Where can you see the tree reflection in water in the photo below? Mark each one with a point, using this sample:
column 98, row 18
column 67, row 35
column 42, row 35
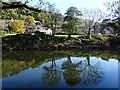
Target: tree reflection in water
column 71, row 72
column 91, row 74
column 52, row 74
column 81, row 72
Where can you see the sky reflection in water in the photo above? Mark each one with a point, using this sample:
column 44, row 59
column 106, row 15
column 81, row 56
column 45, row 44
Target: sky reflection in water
column 67, row 72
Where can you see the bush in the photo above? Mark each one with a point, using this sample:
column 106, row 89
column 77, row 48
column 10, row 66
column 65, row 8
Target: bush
column 115, row 42
column 17, row 26
column 99, row 37
column 2, row 33
column 40, row 34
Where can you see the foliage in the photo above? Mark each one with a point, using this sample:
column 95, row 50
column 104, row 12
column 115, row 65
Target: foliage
column 51, row 19
column 12, row 14
column 2, row 33
column 5, row 14
column 99, row 37
column 115, row 42
column 55, row 18
column 30, row 21
column 40, row 41
column 71, row 20
column 17, row 26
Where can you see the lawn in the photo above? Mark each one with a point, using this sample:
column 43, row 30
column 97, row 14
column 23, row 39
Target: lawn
column 3, row 35
column 67, row 35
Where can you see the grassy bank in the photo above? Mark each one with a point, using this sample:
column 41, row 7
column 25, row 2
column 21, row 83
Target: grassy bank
column 41, row 41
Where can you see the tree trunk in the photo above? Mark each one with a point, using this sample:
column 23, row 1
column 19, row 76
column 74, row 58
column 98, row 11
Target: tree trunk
column 69, row 36
column 53, row 34
column 69, row 59
column 53, row 31
column 89, row 33
column 88, row 59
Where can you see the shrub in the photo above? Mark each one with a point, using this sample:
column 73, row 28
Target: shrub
column 99, row 37
column 115, row 42
column 2, row 33
column 17, row 26
column 40, row 34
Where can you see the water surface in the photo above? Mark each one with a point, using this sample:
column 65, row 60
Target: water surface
column 60, row 69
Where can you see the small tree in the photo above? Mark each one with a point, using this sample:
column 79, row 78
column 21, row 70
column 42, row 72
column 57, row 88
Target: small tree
column 17, row 26
column 71, row 20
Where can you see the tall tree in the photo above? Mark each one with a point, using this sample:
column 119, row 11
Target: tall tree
column 71, row 20
column 52, row 18
column 91, row 18
column 55, row 18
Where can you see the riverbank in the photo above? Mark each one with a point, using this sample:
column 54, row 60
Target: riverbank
column 40, row 41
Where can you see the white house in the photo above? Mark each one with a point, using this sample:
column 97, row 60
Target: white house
column 40, row 28
column 49, row 31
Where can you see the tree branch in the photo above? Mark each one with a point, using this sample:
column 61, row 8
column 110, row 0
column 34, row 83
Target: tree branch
column 18, row 5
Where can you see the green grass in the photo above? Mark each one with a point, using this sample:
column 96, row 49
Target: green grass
column 67, row 35
column 9, row 34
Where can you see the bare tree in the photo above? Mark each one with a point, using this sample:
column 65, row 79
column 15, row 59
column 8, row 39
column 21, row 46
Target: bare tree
column 91, row 18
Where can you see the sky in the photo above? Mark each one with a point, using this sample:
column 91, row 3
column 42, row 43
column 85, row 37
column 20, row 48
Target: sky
column 80, row 4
